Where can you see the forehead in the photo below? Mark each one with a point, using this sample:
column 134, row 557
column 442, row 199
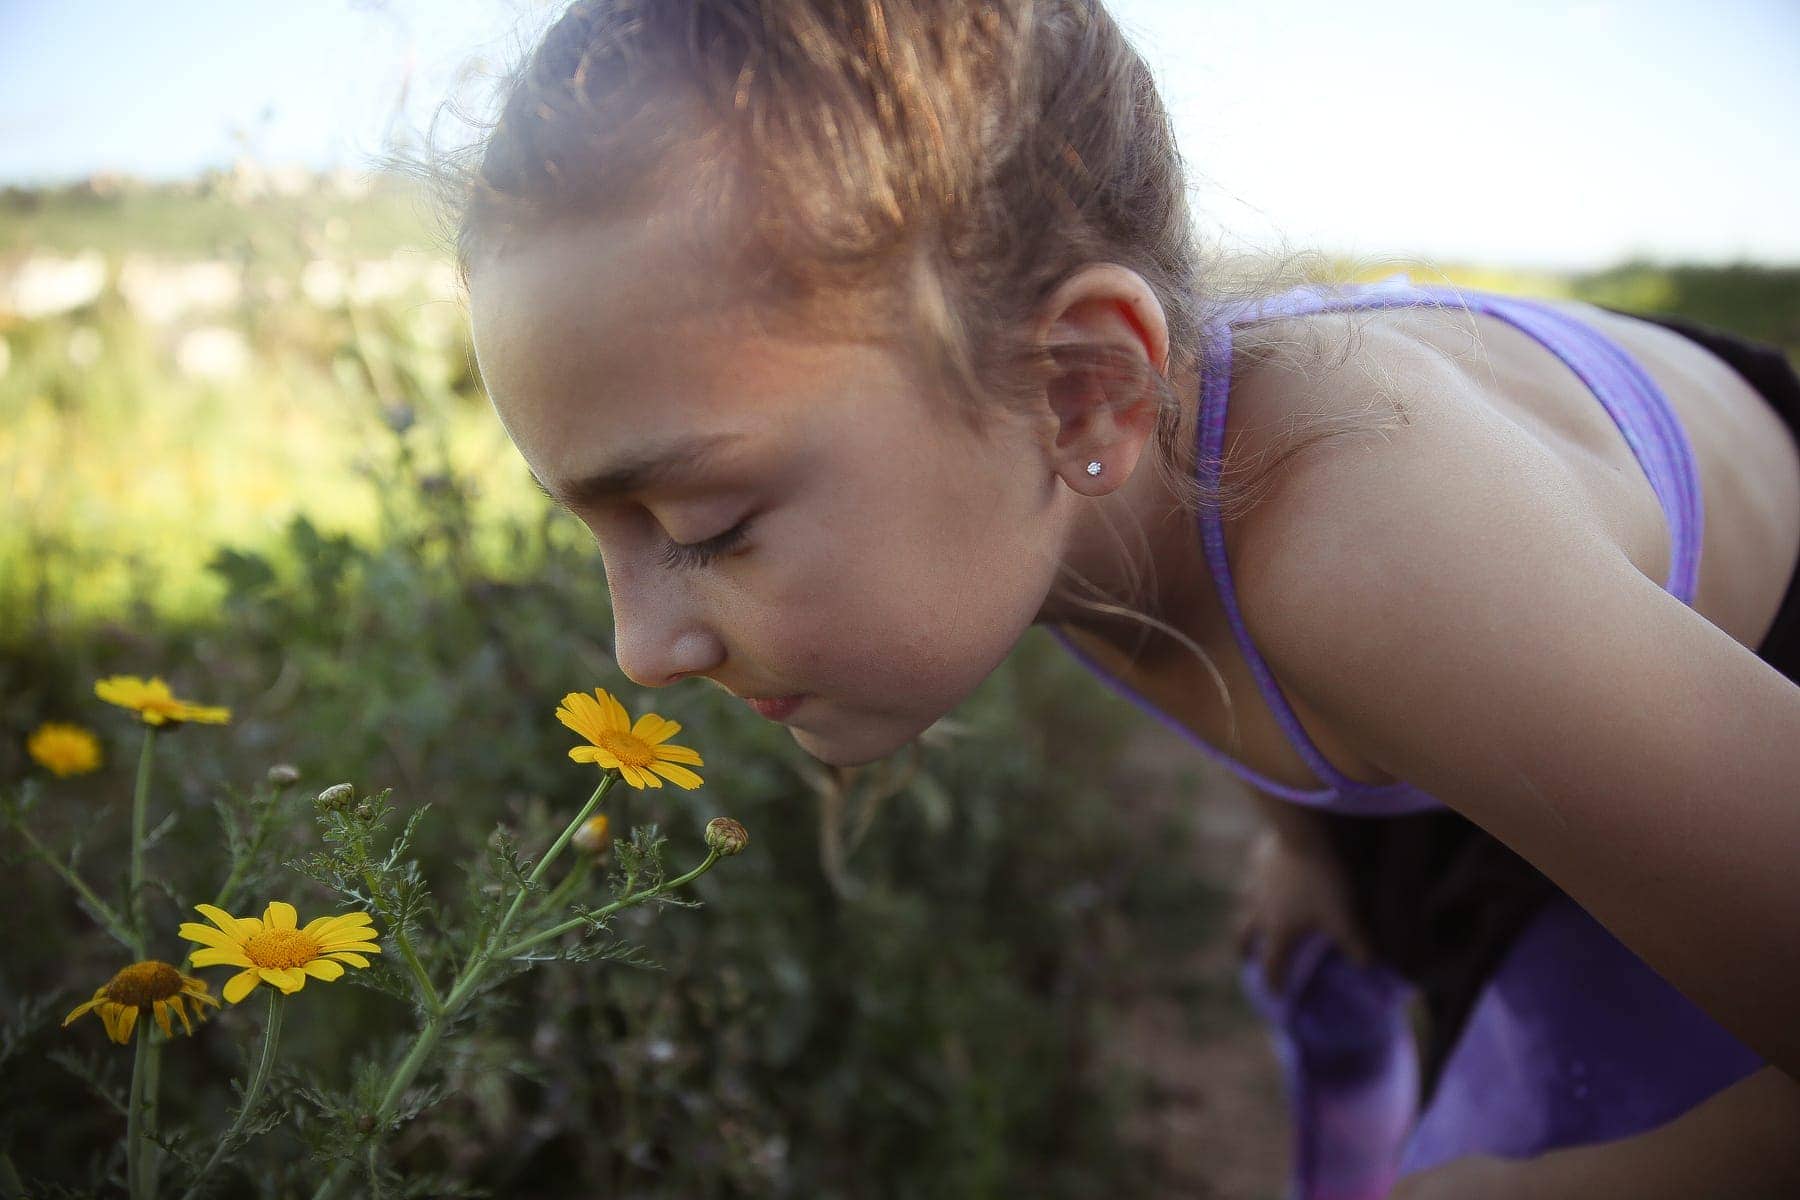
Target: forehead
column 578, row 304
column 599, row 339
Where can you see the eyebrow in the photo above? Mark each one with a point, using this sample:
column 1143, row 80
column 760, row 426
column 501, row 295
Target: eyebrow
column 658, row 466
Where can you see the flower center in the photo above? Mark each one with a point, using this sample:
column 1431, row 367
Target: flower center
column 142, row 984
column 280, row 948
column 627, row 749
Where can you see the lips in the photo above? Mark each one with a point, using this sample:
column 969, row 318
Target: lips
column 777, row 708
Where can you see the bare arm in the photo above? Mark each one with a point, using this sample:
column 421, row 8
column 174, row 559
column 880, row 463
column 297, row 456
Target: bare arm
column 1441, row 598
column 1294, row 883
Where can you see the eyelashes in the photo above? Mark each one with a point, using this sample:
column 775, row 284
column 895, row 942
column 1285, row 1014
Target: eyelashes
column 700, row 554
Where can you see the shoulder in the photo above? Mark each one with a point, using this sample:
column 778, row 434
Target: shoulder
column 1419, row 524
column 1377, row 453
column 1442, row 597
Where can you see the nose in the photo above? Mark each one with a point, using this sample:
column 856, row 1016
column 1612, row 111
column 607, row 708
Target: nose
column 661, row 636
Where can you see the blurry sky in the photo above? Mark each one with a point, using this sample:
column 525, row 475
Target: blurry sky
column 1532, row 133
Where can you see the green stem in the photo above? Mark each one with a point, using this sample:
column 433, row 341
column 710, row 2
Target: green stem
column 576, row 875
column 636, row 898
column 146, row 1072
column 271, row 1034
column 537, row 872
column 114, row 924
column 152, row 1084
column 223, row 899
column 134, row 1117
column 432, row 1003
column 258, row 833
column 140, row 801
column 465, row 984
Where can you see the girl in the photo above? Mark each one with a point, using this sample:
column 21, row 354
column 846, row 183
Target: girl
column 866, row 336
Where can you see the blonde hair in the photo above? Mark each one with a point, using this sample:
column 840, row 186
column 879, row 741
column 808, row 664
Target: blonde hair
column 942, row 165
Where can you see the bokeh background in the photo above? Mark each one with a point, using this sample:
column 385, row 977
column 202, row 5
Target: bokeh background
column 243, row 446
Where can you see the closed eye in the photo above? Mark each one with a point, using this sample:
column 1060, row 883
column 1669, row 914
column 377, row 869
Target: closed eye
column 699, row 554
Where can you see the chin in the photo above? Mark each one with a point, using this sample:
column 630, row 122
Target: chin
column 857, row 747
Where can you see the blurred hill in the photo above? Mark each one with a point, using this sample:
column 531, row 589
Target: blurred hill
column 249, row 210
column 194, row 364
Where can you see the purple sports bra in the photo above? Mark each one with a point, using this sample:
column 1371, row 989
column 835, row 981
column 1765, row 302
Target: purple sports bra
column 1629, row 396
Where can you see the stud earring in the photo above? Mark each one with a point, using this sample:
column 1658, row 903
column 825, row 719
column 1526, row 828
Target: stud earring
column 1093, row 468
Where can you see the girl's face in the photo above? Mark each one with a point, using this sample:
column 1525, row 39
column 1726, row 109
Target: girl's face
column 806, row 521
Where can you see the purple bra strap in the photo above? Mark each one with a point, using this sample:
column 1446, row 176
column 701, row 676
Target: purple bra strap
column 1637, row 406
column 1630, row 396
column 1400, row 801
column 1370, row 799
column 1675, row 477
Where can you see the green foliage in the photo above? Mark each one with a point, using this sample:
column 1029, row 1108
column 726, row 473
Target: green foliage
column 894, row 1039
column 1753, row 301
column 896, row 991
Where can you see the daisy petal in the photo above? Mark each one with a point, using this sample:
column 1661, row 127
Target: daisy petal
column 593, row 754
column 651, row 729
column 181, row 1012
column 617, row 719
column 323, row 968
column 326, row 928
column 81, row 1008
column 582, row 714
column 218, row 916
column 280, row 915
column 679, row 776
column 219, row 956
column 288, row 979
column 239, row 985
column 207, row 935
column 355, row 960
column 680, row 754
column 162, row 1018
column 351, row 944
column 127, row 1021
column 109, row 1017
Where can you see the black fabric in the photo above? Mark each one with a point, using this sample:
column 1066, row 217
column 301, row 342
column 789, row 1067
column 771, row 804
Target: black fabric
column 1441, row 899
column 1769, row 370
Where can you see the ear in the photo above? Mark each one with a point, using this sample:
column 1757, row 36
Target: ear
column 1101, row 415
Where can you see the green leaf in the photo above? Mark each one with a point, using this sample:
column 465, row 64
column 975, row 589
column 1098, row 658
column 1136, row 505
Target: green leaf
column 244, row 574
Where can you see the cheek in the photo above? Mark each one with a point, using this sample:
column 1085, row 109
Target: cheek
column 903, row 622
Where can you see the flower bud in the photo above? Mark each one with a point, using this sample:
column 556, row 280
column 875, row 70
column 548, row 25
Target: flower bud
column 283, row 774
column 593, row 837
column 336, row 798
column 726, row 836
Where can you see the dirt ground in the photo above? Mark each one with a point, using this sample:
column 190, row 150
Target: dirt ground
column 1215, row 1124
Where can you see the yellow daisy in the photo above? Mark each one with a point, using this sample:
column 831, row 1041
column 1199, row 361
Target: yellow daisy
column 64, row 749
column 148, row 986
column 636, row 751
column 273, row 951
column 153, row 702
